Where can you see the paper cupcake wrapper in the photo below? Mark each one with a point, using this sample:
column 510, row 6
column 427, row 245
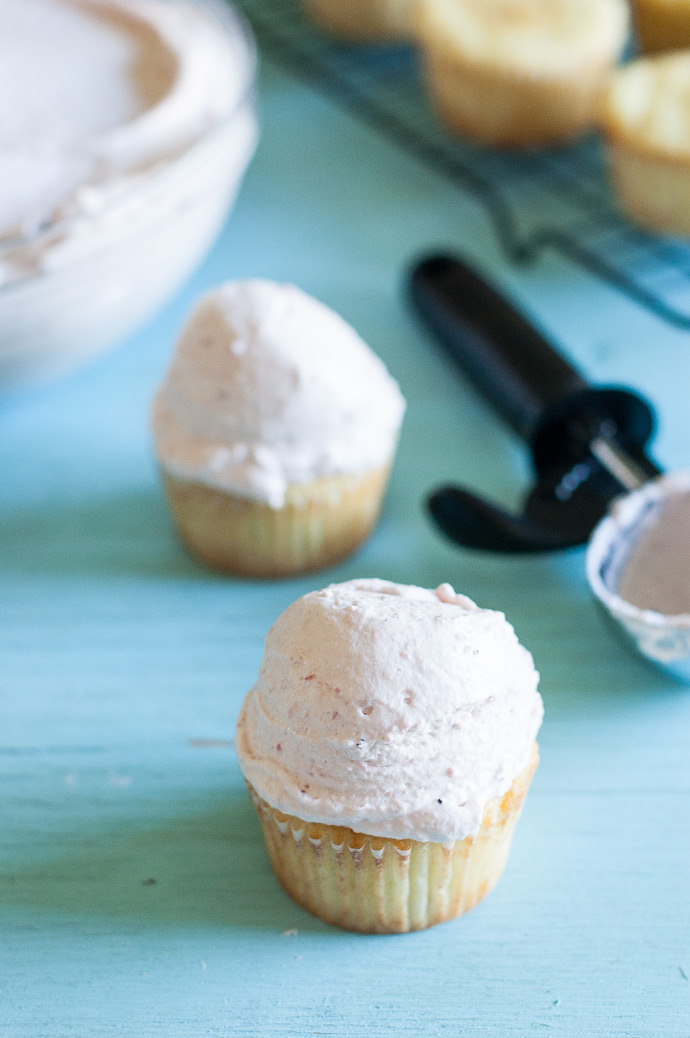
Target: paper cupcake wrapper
column 501, row 107
column 654, row 190
column 379, row 885
column 320, row 523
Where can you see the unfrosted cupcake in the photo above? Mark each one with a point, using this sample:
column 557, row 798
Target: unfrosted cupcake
column 519, row 72
column 363, row 19
column 275, row 431
column 646, row 123
column 662, row 24
column 388, row 745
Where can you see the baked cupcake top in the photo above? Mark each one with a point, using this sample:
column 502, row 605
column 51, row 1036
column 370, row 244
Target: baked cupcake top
column 268, row 388
column 527, row 36
column 648, row 104
column 392, row 709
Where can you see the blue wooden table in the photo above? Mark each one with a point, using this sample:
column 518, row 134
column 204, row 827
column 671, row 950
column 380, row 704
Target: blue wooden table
column 135, row 895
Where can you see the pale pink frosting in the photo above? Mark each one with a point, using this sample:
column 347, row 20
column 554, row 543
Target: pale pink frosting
column 270, row 388
column 391, row 709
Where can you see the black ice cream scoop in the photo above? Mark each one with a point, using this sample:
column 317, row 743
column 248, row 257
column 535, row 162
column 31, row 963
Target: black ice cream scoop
column 587, row 443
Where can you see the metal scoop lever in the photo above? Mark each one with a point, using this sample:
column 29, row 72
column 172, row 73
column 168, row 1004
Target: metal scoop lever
column 587, row 443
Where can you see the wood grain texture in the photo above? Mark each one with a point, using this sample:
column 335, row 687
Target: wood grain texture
column 135, row 894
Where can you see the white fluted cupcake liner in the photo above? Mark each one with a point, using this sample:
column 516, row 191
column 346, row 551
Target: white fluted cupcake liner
column 319, row 523
column 379, row 885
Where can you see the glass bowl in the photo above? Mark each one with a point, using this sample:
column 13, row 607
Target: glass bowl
column 75, row 288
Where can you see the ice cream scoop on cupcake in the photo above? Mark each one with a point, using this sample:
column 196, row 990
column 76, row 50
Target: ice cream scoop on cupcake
column 275, row 430
column 388, row 745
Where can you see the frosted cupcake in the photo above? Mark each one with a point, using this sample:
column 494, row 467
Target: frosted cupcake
column 388, row 745
column 646, row 123
column 275, row 431
column 517, row 73
column 363, row 19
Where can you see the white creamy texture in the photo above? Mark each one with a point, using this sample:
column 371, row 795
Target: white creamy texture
column 656, row 569
column 270, row 388
column 645, row 557
column 531, row 36
column 637, row 566
column 95, row 94
column 391, row 709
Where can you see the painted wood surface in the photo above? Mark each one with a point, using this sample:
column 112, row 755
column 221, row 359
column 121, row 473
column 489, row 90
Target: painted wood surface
column 135, row 896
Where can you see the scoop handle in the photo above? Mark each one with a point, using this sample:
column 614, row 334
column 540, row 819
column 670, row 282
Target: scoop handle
column 505, row 356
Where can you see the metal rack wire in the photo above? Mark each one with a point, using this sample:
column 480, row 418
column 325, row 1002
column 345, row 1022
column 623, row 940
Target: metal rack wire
column 554, row 199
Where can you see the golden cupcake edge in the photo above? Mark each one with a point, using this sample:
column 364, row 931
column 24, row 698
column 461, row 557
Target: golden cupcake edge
column 319, row 523
column 379, row 885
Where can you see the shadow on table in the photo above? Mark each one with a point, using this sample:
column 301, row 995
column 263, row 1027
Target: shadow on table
column 207, row 869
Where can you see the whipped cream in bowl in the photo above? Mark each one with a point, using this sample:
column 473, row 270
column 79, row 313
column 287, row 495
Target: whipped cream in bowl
column 128, row 127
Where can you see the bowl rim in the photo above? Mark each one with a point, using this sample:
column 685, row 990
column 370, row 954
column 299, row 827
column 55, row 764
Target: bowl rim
column 608, row 540
column 235, row 24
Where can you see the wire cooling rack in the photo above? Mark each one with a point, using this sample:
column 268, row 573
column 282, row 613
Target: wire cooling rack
column 555, row 199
